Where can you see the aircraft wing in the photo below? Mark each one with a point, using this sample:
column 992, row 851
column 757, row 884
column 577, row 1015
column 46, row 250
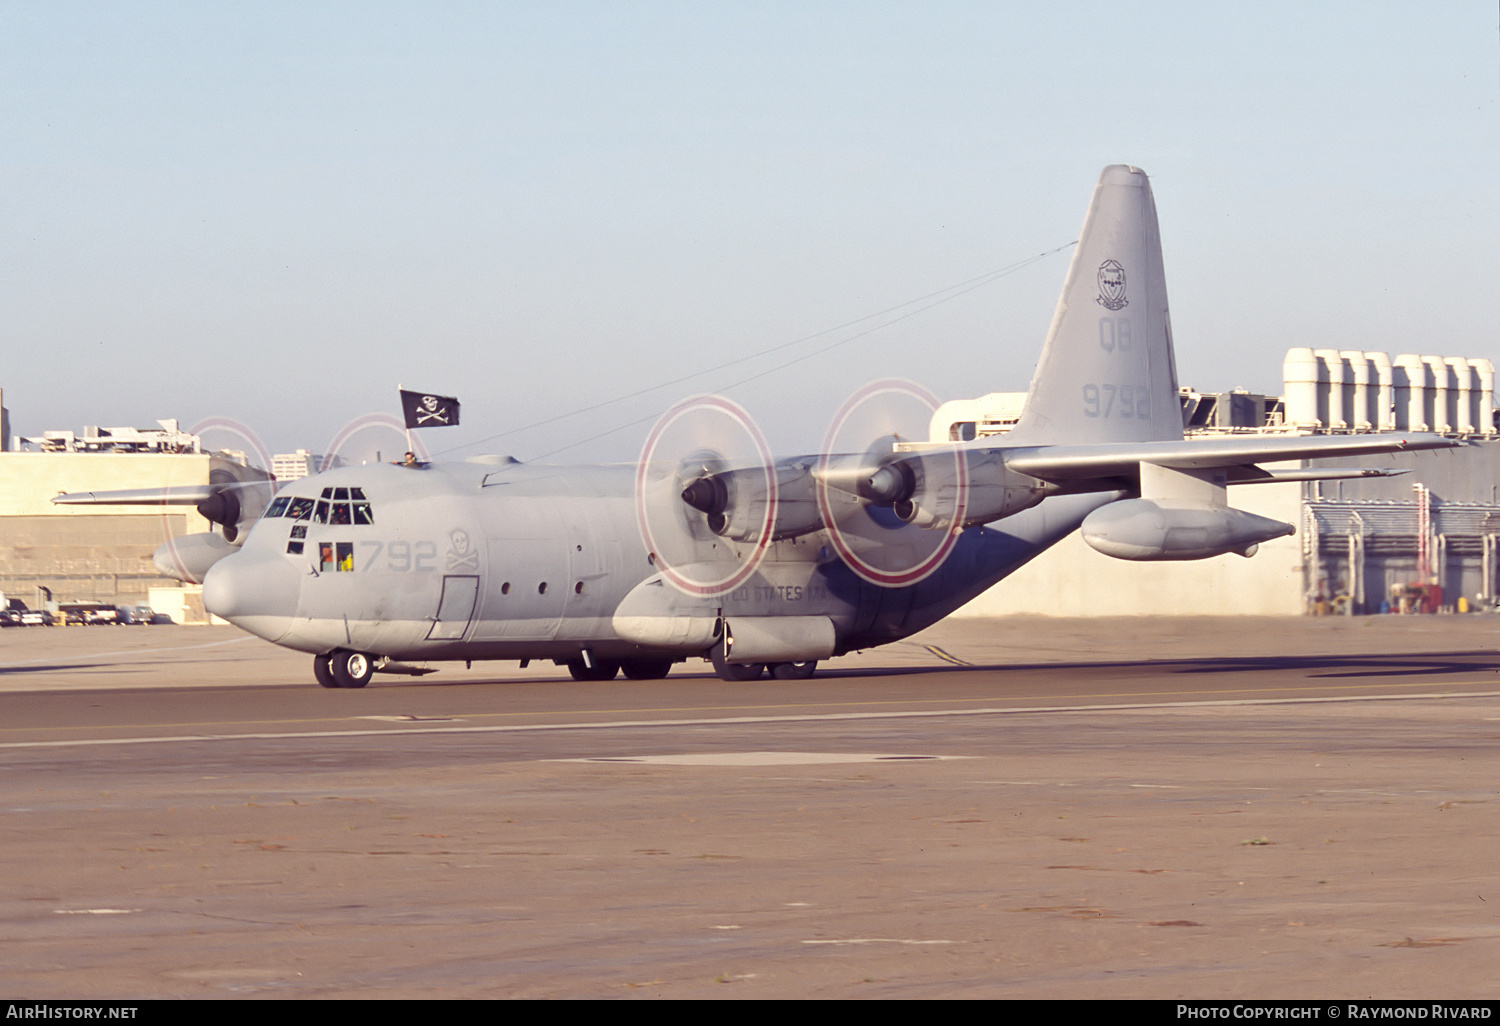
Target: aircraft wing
column 176, row 495
column 1069, row 463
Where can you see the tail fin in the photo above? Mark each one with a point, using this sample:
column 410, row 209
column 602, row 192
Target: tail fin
column 1107, row 372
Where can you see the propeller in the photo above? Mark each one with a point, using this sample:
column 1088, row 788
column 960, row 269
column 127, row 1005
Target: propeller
column 706, row 495
column 893, row 504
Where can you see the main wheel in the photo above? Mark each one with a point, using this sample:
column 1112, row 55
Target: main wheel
column 794, row 671
column 324, row 672
column 646, row 669
column 741, row 671
column 603, row 669
column 351, row 669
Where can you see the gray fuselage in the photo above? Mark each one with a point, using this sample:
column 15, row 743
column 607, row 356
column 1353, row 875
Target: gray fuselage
column 499, row 560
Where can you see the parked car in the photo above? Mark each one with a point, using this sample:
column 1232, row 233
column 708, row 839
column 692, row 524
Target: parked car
column 38, row 618
column 137, row 614
column 10, row 618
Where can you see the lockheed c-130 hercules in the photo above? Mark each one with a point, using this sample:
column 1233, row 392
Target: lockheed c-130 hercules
column 710, row 547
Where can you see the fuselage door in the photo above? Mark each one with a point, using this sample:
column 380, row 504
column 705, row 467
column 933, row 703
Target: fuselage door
column 455, row 608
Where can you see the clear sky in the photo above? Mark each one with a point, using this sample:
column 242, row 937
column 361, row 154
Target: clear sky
column 275, row 212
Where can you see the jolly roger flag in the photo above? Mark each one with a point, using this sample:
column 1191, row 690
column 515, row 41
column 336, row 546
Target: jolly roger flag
column 424, row 410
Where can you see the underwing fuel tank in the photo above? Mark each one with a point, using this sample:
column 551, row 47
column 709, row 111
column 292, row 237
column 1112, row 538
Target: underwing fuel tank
column 1146, row 529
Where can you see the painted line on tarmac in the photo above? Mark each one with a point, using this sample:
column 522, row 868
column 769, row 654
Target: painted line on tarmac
column 737, row 720
column 127, row 654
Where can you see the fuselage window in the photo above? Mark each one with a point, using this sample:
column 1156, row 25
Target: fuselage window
column 299, row 530
column 339, row 515
column 294, row 548
column 278, row 506
column 300, row 509
column 325, row 556
column 362, row 514
column 320, row 515
column 346, row 555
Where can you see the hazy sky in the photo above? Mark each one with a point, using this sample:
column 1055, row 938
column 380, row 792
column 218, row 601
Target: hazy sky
column 275, row 212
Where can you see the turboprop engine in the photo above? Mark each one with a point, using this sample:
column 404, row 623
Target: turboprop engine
column 1147, row 529
column 930, row 486
column 736, row 502
column 189, row 557
column 925, row 488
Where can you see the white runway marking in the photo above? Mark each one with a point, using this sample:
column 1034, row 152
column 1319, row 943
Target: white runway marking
column 735, row 720
column 762, row 758
column 154, row 652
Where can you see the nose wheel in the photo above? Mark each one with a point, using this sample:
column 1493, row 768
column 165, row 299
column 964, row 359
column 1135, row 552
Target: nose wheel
column 342, row 668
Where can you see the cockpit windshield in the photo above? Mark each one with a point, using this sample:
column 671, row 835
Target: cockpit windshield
column 335, row 506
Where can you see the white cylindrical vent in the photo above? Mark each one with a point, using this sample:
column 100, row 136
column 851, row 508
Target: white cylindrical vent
column 1483, row 396
column 1437, row 395
column 1382, row 399
column 1460, row 387
column 1357, row 390
column 1409, row 383
column 1331, row 389
column 1299, row 376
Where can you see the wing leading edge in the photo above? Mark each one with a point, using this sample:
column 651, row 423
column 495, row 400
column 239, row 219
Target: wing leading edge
column 1070, row 464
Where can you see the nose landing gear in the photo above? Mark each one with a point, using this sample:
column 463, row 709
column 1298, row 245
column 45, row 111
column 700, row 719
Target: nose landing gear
column 342, row 668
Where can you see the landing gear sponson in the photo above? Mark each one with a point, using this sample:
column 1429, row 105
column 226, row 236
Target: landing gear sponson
column 343, row 668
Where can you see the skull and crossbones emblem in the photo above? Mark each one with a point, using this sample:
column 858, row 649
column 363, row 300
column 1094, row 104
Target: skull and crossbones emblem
column 431, row 410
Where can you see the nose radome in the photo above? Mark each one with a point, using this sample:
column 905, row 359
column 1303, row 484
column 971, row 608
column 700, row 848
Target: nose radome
column 254, row 591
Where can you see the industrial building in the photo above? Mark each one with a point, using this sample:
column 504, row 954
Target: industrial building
column 52, row 553
column 1424, row 541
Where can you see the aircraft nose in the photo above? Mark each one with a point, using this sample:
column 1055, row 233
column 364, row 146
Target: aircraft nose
column 254, row 591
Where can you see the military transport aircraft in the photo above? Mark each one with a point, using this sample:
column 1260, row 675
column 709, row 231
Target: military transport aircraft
column 710, row 547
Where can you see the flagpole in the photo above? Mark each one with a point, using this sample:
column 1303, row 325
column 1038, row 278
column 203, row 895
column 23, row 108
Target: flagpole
column 399, row 389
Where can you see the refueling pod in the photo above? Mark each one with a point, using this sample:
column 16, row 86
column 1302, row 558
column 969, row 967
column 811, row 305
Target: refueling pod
column 1181, row 514
column 1143, row 529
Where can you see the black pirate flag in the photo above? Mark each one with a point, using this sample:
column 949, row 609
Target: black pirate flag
column 423, row 410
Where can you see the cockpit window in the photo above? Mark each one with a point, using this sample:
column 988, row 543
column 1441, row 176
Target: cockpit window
column 340, row 506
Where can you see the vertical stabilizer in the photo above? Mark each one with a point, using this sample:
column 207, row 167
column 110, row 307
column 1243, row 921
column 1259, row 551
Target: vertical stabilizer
column 1107, row 372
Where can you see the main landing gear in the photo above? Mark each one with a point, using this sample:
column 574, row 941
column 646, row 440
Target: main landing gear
column 605, row 669
column 342, row 668
column 753, row 671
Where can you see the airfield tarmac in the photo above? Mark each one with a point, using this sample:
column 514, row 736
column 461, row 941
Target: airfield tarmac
column 1028, row 807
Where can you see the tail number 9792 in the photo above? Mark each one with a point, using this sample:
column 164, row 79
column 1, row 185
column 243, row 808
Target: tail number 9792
column 1126, row 402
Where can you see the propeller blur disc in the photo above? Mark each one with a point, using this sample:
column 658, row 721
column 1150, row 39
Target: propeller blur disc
column 695, row 439
column 904, row 518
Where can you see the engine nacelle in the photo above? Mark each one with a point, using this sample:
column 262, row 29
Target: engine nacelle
column 1146, row 529
column 188, row 558
column 923, row 487
column 734, row 502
